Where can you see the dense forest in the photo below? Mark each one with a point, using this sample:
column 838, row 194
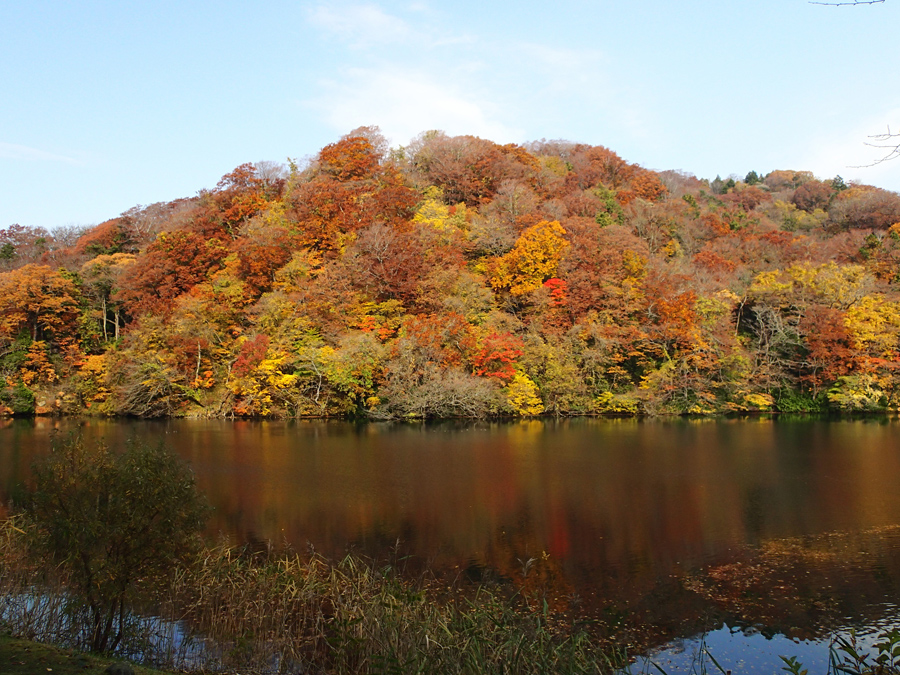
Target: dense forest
column 459, row 277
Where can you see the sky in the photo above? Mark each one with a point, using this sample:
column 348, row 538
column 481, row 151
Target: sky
column 105, row 105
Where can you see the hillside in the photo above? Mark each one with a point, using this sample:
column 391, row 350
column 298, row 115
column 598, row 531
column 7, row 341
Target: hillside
column 459, row 277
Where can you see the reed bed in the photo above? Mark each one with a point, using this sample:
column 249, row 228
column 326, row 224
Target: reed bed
column 32, row 604
column 303, row 614
column 236, row 612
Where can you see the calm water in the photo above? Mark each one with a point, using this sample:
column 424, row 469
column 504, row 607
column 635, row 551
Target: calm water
column 772, row 527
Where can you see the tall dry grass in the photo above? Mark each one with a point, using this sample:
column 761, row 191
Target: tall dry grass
column 303, row 614
column 231, row 611
column 33, row 604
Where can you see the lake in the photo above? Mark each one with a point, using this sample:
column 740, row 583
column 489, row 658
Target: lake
column 763, row 535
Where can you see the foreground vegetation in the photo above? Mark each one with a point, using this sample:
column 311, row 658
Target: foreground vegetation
column 459, row 277
column 286, row 613
column 103, row 556
column 263, row 613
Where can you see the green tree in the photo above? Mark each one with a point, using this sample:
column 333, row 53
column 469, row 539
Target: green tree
column 115, row 525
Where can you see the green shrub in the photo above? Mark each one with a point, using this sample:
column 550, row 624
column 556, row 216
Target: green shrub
column 793, row 401
column 19, row 398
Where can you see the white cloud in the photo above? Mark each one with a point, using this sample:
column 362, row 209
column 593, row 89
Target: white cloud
column 406, row 102
column 507, row 90
column 360, row 25
column 23, row 152
column 561, row 60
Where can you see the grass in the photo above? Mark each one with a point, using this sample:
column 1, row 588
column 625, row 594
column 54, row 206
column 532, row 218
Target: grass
column 23, row 657
column 235, row 611
column 352, row 616
column 240, row 612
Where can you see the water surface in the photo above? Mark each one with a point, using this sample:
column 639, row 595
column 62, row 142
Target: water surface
column 775, row 526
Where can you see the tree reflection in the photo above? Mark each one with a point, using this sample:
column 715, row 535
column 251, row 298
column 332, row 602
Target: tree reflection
column 671, row 524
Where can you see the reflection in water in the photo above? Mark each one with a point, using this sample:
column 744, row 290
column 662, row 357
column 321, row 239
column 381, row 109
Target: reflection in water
column 739, row 651
column 678, row 524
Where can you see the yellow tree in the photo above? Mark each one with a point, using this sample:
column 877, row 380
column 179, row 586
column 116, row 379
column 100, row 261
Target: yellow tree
column 874, row 327
column 523, row 397
column 435, row 214
column 837, row 286
column 534, row 259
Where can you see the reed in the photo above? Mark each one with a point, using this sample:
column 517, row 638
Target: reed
column 303, row 614
column 33, row 604
column 233, row 611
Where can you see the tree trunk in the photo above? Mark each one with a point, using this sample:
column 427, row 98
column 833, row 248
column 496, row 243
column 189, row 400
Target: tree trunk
column 105, row 320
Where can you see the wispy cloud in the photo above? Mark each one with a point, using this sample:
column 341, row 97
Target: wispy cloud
column 360, row 25
column 406, row 102
column 430, row 73
column 25, row 153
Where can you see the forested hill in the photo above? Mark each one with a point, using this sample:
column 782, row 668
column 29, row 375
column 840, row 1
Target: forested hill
column 459, row 277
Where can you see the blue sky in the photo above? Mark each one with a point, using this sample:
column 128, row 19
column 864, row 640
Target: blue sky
column 105, row 105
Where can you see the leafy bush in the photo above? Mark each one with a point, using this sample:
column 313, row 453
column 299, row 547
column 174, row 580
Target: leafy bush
column 19, row 398
column 115, row 524
column 792, row 401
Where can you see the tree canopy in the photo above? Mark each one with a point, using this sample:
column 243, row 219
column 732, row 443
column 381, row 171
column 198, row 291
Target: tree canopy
column 457, row 276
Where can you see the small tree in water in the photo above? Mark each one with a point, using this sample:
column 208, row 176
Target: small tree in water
column 115, row 524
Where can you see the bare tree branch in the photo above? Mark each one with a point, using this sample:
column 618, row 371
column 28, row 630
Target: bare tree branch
column 886, row 141
column 841, row 4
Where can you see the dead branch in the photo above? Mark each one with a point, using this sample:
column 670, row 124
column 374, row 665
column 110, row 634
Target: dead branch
column 841, row 4
column 887, row 141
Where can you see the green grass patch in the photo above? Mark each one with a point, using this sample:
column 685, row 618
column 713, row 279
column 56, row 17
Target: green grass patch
column 22, row 657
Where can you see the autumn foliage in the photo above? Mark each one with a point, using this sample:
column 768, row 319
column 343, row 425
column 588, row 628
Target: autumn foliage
column 459, row 277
